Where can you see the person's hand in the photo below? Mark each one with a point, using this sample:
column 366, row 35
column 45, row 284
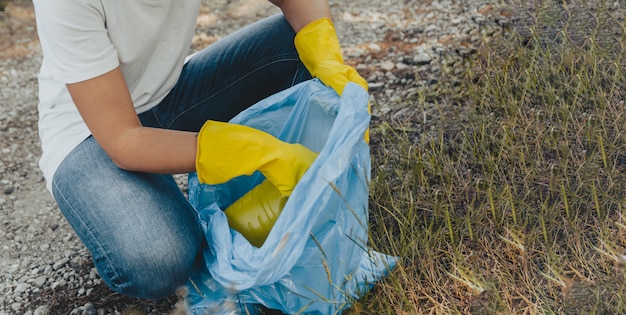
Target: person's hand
column 226, row 151
column 319, row 50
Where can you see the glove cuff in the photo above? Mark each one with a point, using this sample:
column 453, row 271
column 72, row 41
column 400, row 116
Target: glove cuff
column 318, row 43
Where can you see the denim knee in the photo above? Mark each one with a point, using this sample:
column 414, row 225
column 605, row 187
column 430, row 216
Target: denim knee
column 150, row 273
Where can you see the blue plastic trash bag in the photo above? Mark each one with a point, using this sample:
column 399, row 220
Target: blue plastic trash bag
column 315, row 259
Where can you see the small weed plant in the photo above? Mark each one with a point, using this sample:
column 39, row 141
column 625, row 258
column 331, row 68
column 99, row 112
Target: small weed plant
column 519, row 206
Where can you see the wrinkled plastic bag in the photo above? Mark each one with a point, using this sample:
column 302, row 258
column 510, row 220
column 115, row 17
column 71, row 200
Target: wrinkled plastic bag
column 315, row 259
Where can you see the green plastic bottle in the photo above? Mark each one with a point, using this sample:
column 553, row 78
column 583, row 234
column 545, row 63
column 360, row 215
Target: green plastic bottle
column 254, row 214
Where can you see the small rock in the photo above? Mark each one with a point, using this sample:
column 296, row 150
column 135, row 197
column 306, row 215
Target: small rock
column 456, row 21
column 8, row 190
column 387, row 65
column 401, row 66
column 421, row 59
column 60, row 263
column 21, row 288
column 89, row 309
column 375, row 86
column 431, row 28
column 391, row 76
column 40, row 281
column 93, row 273
column 41, row 310
column 56, row 284
column 374, row 47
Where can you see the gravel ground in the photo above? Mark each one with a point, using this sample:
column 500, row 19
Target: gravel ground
column 401, row 47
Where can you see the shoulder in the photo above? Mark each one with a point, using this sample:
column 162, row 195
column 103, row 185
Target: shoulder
column 74, row 38
column 63, row 15
column 66, row 7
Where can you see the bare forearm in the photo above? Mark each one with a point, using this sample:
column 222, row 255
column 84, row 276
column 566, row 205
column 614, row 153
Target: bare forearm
column 300, row 13
column 156, row 150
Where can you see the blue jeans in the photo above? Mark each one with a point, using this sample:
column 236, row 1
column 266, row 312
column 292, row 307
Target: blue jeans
column 142, row 232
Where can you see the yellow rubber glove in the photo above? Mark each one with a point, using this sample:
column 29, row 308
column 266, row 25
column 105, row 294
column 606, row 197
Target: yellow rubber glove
column 226, row 151
column 319, row 50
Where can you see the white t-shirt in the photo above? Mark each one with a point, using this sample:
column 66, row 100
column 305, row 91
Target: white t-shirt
column 82, row 39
